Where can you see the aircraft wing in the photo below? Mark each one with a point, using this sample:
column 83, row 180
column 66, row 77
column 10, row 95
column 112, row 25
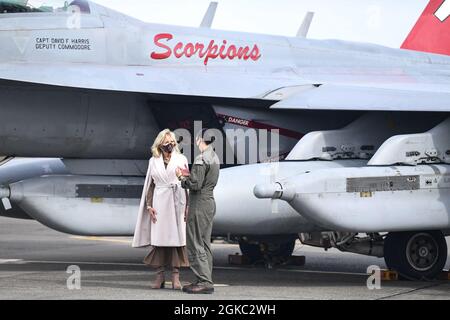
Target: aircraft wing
column 174, row 81
column 348, row 97
column 147, row 79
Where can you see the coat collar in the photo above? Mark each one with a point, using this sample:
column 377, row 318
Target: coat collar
column 167, row 173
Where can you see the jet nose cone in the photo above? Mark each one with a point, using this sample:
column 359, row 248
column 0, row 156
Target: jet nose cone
column 268, row 191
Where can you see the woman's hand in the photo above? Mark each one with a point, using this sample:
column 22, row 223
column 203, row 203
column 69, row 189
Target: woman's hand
column 182, row 171
column 178, row 172
column 152, row 213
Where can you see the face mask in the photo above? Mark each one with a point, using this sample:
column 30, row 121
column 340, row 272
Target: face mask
column 167, row 148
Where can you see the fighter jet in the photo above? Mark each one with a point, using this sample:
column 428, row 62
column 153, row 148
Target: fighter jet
column 91, row 86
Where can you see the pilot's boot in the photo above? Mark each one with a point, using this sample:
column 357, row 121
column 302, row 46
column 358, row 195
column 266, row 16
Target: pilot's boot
column 159, row 280
column 176, row 284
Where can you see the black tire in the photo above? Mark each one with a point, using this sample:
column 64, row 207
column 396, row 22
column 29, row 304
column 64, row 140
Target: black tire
column 262, row 251
column 416, row 255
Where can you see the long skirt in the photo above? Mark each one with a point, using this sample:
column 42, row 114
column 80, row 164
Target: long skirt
column 171, row 257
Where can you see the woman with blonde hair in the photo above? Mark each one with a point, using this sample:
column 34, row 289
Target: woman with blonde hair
column 161, row 222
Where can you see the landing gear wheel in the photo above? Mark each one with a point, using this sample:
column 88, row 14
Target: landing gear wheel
column 267, row 252
column 416, row 255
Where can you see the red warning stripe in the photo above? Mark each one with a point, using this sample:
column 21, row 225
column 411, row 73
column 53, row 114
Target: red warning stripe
column 259, row 125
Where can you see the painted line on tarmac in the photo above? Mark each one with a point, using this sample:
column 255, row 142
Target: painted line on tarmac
column 101, row 239
column 298, row 271
column 86, row 262
column 10, row 261
column 20, row 261
column 129, row 241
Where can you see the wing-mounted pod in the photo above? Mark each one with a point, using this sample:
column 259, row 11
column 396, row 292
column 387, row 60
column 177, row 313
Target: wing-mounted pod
column 432, row 146
column 358, row 140
column 284, row 186
column 82, row 205
column 369, row 199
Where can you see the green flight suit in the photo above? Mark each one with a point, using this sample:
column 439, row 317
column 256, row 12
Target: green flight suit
column 202, row 208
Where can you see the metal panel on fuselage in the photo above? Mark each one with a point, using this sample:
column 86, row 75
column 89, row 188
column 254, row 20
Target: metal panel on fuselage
column 46, row 121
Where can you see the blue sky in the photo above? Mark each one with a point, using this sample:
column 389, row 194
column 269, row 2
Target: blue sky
column 384, row 22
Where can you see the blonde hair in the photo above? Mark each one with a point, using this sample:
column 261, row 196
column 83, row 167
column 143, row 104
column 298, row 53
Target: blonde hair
column 156, row 152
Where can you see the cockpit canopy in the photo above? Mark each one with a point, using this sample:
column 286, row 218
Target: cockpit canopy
column 47, row 6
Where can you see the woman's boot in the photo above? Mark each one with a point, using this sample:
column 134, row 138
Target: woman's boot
column 176, row 284
column 159, row 280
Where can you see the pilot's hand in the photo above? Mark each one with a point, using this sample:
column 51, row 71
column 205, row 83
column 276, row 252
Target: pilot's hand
column 152, row 213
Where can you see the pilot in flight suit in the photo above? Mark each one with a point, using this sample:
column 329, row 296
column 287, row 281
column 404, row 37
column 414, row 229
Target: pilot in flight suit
column 201, row 182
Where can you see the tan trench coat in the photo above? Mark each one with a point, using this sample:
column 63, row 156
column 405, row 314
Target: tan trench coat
column 169, row 201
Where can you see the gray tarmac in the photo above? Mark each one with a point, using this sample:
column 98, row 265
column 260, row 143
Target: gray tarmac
column 34, row 262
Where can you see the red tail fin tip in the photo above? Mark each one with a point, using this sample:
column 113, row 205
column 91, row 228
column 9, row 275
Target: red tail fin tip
column 431, row 33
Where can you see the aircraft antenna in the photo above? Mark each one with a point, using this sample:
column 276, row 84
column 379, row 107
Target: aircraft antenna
column 209, row 16
column 306, row 24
